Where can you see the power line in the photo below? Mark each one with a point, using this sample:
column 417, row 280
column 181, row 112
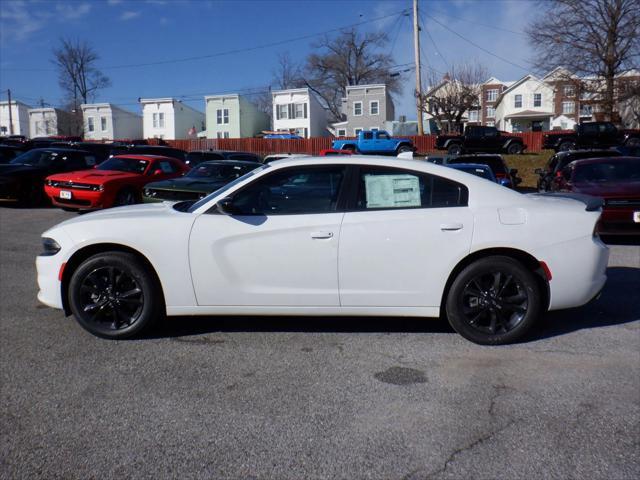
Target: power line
column 228, row 52
column 475, row 22
column 478, row 46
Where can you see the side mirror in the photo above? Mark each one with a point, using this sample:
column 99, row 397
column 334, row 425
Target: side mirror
column 513, row 171
column 538, row 171
column 226, row 207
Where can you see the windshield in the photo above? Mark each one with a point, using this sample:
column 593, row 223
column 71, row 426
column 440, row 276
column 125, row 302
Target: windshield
column 227, row 187
column 615, row 171
column 494, row 163
column 36, row 158
column 219, row 172
column 124, row 164
column 477, row 171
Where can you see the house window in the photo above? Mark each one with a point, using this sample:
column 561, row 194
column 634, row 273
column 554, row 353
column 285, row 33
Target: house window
column 300, row 110
column 569, row 91
column 155, row 120
column 357, row 108
column 537, row 99
column 342, row 132
column 48, row 129
column 517, row 101
column 103, row 123
column 91, row 124
column 473, row 115
column 356, row 131
column 568, row 107
column 282, row 111
column 222, row 135
column 491, row 112
column 301, row 132
column 492, row 95
column 586, row 110
column 222, row 116
column 374, row 107
column 158, row 120
column 490, row 124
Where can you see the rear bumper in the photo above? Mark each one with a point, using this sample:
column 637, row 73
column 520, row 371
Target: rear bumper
column 579, row 271
column 619, row 221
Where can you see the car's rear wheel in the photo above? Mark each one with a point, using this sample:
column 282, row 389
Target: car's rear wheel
column 125, row 197
column 113, row 295
column 514, row 149
column 455, row 149
column 493, row 301
column 566, row 146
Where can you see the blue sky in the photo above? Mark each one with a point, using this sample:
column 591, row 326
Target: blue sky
column 126, row 32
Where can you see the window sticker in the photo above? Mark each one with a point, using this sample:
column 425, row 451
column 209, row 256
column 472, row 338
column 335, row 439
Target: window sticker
column 384, row 191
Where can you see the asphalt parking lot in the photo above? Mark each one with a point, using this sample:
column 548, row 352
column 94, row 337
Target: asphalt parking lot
column 274, row 398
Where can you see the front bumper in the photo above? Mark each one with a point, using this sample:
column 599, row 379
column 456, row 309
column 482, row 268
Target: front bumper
column 80, row 199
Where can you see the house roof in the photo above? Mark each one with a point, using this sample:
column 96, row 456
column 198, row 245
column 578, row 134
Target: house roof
column 107, row 105
column 14, row 102
column 291, row 90
column 222, row 95
column 529, row 114
column 515, row 85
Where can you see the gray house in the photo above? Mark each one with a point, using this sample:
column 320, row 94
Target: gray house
column 365, row 107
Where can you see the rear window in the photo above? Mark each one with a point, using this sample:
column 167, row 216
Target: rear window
column 495, row 163
column 612, row 171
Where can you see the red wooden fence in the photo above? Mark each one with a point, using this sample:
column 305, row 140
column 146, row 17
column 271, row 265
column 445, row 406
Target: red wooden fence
column 262, row 146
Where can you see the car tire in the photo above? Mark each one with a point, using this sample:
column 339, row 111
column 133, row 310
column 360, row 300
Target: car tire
column 566, row 146
column 403, row 149
column 514, row 149
column 114, row 295
column 126, row 196
column 455, row 149
column 493, row 301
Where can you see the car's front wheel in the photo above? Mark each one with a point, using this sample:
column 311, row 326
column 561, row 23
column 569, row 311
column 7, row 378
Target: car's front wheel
column 493, row 301
column 455, row 149
column 113, row 295
column 566, row 146
column 125, row 197
column 514, row 149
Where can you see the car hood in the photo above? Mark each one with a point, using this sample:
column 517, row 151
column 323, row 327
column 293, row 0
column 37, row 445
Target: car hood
column 189, row 184
column 142, row 210
column 19, row 169
column 94, row 176
column 609, row 189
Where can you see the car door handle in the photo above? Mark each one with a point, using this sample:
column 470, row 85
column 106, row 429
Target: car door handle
column 451, row 227
column 319, row 235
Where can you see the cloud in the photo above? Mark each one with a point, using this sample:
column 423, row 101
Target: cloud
column 129, row 15
column 73, row 10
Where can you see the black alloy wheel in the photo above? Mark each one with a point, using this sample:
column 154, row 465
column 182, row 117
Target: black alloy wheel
column 494, row 300
column 455, row 149
column 112, row 295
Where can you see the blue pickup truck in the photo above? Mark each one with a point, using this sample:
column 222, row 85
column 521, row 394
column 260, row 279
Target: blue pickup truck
column 376, row 142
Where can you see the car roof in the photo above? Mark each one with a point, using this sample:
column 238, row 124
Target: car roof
column 223, row 152
column 228, row 162
column 143, row 157
column 587, row 161
column 57, row 149
column 469, row 165
column 586, row 150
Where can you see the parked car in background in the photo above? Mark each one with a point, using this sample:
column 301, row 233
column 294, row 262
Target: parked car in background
column 198, row 156
column 629, row 151
column 327, row 152
column 281, row 136
column 102, row 151
column 481, row 139
column 149, row 150
column 116, row 181
column 479, row 170
column 558, row 161
column 281, row 156
column 44, row 142
column 376, row 142
column 200, row 181
column 506, row 176
column 9, row 152
column 590, row 135
column 22, row 179
column 414, row 239
column 617, row 181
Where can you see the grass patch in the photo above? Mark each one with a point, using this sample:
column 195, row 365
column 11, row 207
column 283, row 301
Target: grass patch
column 526, row 164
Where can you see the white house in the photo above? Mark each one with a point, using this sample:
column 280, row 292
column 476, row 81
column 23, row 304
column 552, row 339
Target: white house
column 19, row 118
column 46, row 122
column 105, row 121
column 170, row 119
column 233, row 116
column 299, row 110
column 526, row 105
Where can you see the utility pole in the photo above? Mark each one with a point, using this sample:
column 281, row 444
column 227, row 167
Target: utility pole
column 10, row 113
column 416, row 47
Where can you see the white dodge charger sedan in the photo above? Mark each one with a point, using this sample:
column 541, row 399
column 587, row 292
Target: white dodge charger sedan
column 331, row 236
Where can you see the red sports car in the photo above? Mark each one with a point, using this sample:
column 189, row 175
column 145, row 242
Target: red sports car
column 617, row 181
column 116, row 181
column 332, row 151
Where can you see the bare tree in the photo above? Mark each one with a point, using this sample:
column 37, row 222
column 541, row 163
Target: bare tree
column 451, row 97
column 591, row 38
column 351, row 58
column 287, row 74
column 78, row 75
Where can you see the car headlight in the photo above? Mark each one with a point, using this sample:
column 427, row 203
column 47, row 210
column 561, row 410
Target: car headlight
column 48, row 182
column 49, row 247
column 149, row 193
column 97, row 188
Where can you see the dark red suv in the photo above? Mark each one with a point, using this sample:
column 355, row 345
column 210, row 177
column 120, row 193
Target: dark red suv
column 617, row 181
